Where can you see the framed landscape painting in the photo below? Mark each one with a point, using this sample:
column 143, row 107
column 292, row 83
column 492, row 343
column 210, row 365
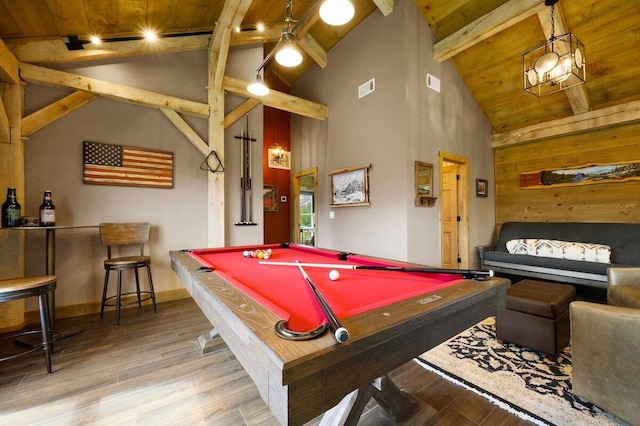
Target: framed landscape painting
column 350, row 187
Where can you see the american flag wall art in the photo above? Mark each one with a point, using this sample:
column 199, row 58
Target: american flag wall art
column 106, row 164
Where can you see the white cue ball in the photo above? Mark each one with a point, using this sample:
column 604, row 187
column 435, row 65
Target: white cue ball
column 334, row 275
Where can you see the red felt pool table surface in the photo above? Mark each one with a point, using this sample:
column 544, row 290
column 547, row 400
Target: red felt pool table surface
column 284, row 291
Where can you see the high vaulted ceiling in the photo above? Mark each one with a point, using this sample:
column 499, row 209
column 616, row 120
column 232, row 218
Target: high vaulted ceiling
column 485, row 40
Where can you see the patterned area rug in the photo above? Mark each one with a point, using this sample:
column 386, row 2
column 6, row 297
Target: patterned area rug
column 517, row 379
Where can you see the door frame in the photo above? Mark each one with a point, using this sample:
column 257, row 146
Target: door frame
column 295, row 231
column 463, row 204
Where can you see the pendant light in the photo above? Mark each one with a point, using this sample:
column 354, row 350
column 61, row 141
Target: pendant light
column 556, row 65
column 336, row 12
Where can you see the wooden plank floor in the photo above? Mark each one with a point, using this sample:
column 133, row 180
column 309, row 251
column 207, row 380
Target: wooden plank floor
column 149, row 371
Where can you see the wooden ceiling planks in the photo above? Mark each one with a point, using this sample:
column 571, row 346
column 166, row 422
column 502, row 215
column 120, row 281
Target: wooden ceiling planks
column 491, row 69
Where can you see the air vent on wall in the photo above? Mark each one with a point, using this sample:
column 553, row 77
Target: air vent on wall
column 366, row 88
column 433, row 83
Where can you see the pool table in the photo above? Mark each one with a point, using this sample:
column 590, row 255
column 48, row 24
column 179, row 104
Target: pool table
column 392, row 317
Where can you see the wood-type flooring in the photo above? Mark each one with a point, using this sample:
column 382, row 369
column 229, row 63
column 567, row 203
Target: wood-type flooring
column 149, row 371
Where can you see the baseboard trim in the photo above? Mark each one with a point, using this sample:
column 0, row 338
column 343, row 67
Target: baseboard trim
column 88, row 308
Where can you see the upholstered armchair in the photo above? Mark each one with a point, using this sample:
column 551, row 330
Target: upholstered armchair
column 605, row 343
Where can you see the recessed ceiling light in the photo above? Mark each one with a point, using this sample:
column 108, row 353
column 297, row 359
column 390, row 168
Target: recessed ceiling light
column 150, row 35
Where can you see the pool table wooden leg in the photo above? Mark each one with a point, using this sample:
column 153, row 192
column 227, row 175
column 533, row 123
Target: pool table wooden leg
column 349, row 410
column 395, row 404
column 207, row 342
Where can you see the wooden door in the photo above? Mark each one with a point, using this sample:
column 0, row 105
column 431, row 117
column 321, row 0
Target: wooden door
column 449, row 211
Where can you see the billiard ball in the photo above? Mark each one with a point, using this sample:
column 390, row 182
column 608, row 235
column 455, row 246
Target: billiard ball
column 245, row 253
column 334, row 275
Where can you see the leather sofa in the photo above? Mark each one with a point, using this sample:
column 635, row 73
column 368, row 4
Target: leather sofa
column 605, row 343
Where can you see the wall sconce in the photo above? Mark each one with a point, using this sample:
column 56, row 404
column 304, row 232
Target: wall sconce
column 556, row 65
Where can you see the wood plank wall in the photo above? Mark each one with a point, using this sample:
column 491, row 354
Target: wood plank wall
column 602, row 202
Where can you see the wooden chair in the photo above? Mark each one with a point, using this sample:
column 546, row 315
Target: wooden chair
column 117, row 236
column 21, row 288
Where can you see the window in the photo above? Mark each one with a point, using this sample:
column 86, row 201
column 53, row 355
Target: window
column 307, row 218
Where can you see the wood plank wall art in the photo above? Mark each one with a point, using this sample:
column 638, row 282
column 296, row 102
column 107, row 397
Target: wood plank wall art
column 607, row 201
column 582, row 175
column 106, row 164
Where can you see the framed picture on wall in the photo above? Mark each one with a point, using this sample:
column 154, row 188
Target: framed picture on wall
column 279, row 158
column 481, row 188
column 270, row 198
column 350, row 187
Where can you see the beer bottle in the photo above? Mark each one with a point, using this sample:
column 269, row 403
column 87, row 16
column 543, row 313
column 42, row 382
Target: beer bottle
column 47, row 211
column 11, row 210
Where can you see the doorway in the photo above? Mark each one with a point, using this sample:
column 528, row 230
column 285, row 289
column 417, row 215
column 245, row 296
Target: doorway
column 454, row 211
column 305, row 192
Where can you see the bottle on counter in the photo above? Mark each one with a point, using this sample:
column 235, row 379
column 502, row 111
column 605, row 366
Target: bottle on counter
column 47, row 211
column 11, row 210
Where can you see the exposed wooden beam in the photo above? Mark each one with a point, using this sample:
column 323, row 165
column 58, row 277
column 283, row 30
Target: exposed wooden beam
column 484, row 27
column 585, row 122
column 278, row 100
column 5, row 129
column 577, row 95
column 307, row 42
column 240, row 112
column 308, row 20
column 385, row 6
column 231, row 16
column 9, row 74
column 221, row 61
column 8, row 65
column 268, row 35
column 55, row 111
column 53, row 51
column 186, row 130
column 53, row 78
column 313, row 49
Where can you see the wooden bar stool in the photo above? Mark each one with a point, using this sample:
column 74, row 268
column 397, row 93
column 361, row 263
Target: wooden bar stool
column 21, row 288
column 120, row 235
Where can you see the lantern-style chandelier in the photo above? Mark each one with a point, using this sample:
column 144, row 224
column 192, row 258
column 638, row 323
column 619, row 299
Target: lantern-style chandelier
column 556, row 65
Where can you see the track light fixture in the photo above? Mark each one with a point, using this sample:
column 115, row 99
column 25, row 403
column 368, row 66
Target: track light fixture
column 286, row 51
column 258, row 88
column 336, row 12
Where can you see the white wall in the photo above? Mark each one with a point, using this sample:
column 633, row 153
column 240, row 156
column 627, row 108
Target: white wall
column 400, row 123
column 53, row 160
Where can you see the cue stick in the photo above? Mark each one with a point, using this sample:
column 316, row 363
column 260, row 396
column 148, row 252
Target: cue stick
column 242, row 179
column 250, row 189
column 339, row 332
column 464, row 272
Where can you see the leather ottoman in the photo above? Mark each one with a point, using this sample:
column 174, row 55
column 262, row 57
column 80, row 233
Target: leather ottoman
column 537, row 316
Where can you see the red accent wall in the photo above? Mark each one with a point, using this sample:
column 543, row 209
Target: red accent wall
column 277, row 129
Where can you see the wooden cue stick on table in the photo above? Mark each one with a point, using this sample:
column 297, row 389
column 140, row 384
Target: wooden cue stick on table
column 339, row 332
column 466, row 273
